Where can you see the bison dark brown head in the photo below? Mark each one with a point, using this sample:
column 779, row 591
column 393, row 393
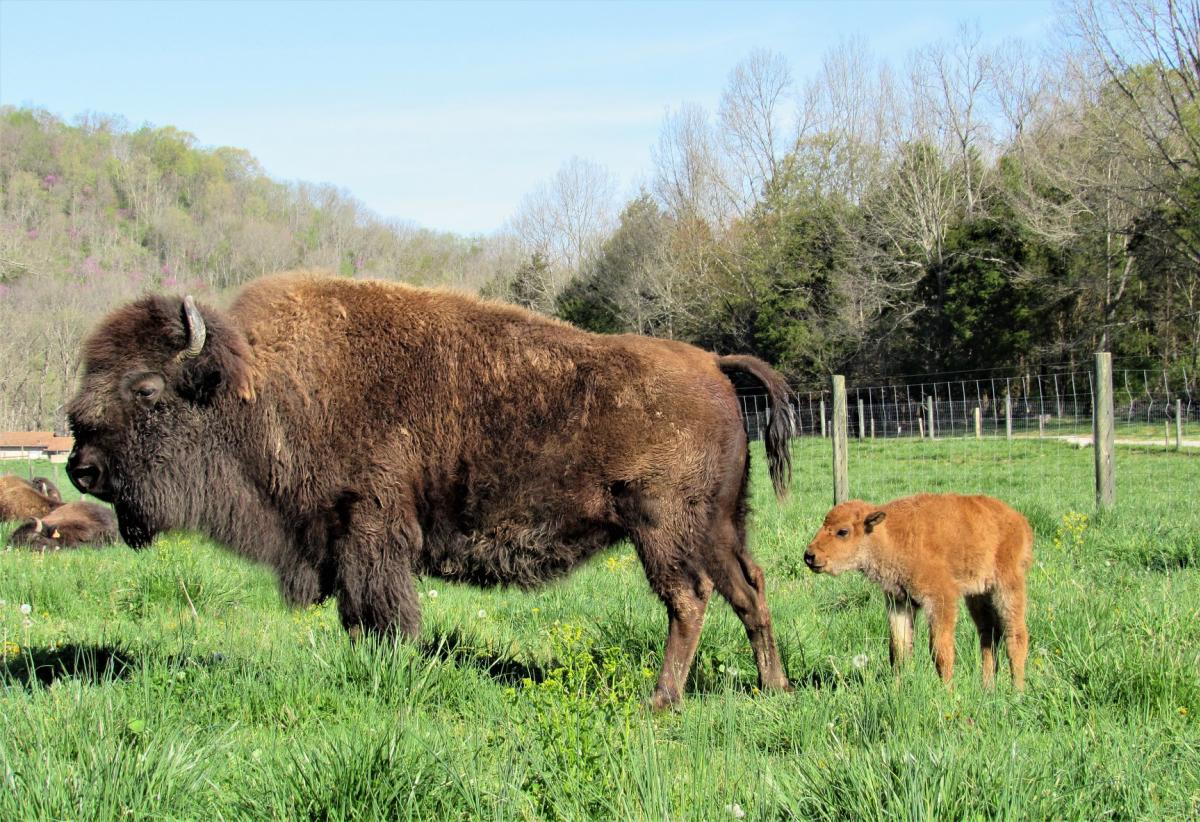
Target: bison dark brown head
column 156, row 374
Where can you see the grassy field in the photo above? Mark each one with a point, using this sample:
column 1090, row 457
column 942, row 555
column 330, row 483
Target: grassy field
column 173, row 684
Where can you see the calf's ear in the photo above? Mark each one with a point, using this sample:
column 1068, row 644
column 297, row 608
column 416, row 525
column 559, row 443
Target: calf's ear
column 873, row 519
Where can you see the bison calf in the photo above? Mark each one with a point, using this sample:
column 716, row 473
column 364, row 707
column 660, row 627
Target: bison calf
column 929, row 550
column 68, row 526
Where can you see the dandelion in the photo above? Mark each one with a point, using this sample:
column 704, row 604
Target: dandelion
column 432, row 594
column 26, row 609
column 536, row 611
column 482, row 614
column 1183, row 711
column 735, row 810
column 860, row 661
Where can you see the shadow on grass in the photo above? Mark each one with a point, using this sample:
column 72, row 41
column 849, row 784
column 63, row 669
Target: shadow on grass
column 452, row 647
column 93, row 664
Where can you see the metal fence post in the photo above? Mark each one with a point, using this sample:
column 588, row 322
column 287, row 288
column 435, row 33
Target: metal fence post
column 841, row 468
column 1007, row 416
column 862, row 427
column 1103, row 436
column 929, row 417
column 823, row 433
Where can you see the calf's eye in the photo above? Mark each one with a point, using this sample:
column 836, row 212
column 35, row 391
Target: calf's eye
column 843, row 532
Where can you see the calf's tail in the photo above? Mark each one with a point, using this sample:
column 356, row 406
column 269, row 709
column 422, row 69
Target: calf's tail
column 779, row 428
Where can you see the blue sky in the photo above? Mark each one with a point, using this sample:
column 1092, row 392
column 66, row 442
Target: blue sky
column 441, row 114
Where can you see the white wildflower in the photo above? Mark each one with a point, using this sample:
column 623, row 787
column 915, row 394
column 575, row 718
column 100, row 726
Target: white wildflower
column 432, row 594
column 26, row 608
column 861, row 661
column 482, row 613
column 735, row 810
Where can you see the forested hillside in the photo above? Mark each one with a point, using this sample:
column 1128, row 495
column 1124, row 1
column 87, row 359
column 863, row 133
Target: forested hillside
column 976, row 208
column 93, row 213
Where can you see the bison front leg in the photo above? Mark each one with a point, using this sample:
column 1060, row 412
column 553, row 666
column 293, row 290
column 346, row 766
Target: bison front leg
column 375, row 588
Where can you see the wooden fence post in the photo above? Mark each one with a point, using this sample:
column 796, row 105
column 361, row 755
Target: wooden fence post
column 929, row 417
column 1178, row 424
column 823, row 433
column 862, row 432
column 978, row 423
column 841, row 468
column 1103, row 435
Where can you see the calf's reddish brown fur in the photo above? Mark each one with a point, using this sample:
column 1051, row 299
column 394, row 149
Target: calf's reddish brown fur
column 22, row 499
column 928, row 551
column 353, row 434
column 70, row 525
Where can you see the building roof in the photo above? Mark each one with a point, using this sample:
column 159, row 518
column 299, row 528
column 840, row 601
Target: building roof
column 40, row 440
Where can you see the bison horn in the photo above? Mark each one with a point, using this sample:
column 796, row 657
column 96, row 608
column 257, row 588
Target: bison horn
column 195, row 328
column 37, row 525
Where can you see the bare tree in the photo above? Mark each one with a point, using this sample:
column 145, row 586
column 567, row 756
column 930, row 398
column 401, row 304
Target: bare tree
column 567, row 217
column 752, row 115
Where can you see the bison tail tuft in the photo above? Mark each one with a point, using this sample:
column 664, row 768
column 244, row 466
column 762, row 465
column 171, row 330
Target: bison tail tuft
column 780, row 427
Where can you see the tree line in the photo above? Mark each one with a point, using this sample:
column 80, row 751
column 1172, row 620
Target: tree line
column 974, row 208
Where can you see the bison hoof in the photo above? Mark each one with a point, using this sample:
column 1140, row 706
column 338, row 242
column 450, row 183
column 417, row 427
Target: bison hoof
column 662, row 699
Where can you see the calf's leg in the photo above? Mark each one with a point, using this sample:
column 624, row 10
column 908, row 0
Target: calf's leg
column 1010, row 605
column 987, row 622
column 900, row 611
column 943, row 613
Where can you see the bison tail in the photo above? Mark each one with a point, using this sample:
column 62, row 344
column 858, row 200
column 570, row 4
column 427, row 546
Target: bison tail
column 779, row 428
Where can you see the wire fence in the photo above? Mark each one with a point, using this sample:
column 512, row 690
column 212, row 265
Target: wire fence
column 1042, row 405
column 1011, row 429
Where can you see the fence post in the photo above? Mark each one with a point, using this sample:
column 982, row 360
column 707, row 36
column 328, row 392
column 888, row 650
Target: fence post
column 841, row 468
column 929, row 416
column 823, row 434
column 872, row 427
column 862, row 433
column 978, row 423
column 1178, row 424
column 1007, row 416
column 1103, row 435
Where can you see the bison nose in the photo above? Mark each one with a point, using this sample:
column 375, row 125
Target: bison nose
column 810, row 559
column 86, row 473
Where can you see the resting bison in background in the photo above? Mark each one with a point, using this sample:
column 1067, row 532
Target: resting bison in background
column 353, row 434
column 23, row 499
column 70, row 525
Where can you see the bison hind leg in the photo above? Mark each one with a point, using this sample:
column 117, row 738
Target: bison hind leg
column 742, row 583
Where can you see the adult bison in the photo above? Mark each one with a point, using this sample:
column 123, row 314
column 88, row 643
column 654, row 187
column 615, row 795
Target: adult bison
column 70, row 525
column 352, row 434
column 21, row 498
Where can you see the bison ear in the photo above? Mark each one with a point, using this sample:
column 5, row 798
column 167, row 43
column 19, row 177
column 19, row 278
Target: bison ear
column 215, row 357
column 873, row 519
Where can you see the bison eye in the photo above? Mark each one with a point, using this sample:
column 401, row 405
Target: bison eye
column 146, row 388
column 843, row 532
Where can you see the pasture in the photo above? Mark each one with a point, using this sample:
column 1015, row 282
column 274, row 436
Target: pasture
column 173, row 683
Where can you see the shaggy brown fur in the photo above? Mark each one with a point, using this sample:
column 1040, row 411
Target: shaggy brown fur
column 20, row 499
column 353, row 434
column 929, row 550
column 70, row 525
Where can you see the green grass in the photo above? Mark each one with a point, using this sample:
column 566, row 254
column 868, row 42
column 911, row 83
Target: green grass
column 116, row 699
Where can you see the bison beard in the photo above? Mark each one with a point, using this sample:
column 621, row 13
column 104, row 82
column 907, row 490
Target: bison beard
column 352, row 434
